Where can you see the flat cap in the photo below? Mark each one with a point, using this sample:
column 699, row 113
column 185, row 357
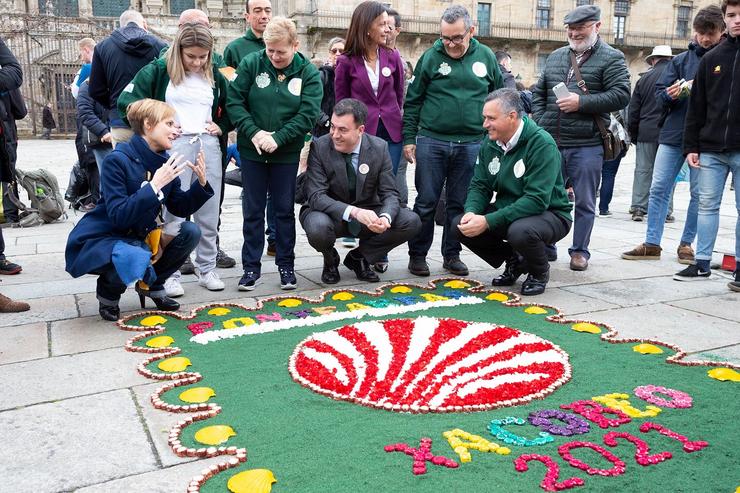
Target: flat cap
column 584, row 13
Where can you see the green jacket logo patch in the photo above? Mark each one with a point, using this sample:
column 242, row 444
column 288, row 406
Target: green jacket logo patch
column 262, row 80
column 444, row 69
column 494, row 166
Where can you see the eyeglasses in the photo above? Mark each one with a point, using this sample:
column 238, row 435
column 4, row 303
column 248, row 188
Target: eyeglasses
column 579, row 27
column 455, row 40
column 336, row 51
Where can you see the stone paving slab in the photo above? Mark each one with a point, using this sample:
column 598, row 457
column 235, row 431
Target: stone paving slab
column 42, row 310
column 64, row 377
column 729, row 354
column 568, row 303
column 30, row 290
column 61, row 446
column 79, row 335
column 725, row 305
column 23, row 343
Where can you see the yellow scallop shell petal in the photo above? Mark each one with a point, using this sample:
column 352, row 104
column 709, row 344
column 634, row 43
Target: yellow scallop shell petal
column 233, row 323
column 160, row 341
column 219, row 311
column 401, row 289
column 197, row 394
column 586, row 327
column 647, row 349
column 724, row 374
column 497, row 297
column 343, row 296
column 252, row 481
column 178, row 363
column 503, row 450
column 457, row 284
column 153, row 320
column 214, row 435
column 290, row 303
column 535, row 310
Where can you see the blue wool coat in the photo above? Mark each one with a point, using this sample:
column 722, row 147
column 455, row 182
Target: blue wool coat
column 127, row 211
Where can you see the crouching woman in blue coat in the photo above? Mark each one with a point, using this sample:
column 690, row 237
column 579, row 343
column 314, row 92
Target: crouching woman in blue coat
column 138, row 179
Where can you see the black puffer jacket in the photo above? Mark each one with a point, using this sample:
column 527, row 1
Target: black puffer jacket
column 645, row 111
column 11, row 78
column 608, row 82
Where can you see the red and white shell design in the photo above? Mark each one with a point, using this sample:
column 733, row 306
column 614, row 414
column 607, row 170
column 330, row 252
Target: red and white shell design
column 429, row 365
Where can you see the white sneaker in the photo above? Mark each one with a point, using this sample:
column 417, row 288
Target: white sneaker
column 173, row 288
column 210, row 281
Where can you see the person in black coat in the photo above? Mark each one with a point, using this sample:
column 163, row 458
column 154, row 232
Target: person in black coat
column 47, row 121
column 117, row 240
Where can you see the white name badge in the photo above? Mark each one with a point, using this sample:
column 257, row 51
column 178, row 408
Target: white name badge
column 294, row 86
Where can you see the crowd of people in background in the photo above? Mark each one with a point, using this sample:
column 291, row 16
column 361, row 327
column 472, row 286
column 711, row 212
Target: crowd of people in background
column 513, row 169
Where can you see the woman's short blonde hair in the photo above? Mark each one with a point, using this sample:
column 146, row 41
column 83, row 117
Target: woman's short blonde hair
column 280, row 29
column 151, row 110
column 188, row 36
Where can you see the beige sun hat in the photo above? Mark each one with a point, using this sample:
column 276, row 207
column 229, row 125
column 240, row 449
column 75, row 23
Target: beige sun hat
column 660, row 50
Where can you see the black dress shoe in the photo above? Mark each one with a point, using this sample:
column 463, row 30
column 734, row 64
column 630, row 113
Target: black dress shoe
column 418, row 266
column 109, row 312
column 455, row 266
column 164, row 302
column 514, row 269
column 360, row 266
column 330, row 274
column 533, row 284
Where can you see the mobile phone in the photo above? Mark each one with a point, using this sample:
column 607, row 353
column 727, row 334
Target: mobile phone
column 561, row 91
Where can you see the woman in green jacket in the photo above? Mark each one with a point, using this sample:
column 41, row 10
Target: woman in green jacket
column 186, row 78
column 274, row 102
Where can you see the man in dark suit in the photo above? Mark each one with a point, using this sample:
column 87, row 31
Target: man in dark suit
column 351, row 191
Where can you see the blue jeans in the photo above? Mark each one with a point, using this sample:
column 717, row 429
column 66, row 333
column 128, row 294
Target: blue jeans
column 608, row 175
column 712, row 178
column 437, row 161
column 582, row 166
column 110, row 287
column 257, row 179
column 100, row 152
column 668, row 162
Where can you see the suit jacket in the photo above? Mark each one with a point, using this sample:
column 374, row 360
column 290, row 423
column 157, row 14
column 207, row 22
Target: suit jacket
column 351, row 81
column 326, row 183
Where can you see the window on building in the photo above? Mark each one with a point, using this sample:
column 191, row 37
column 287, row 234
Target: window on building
column 683, row 21
column 484, row 19
column 621, row 10
column 584, row 2
column 110, row 8
column 62, row 8
column 542, row 19
column 178, row 6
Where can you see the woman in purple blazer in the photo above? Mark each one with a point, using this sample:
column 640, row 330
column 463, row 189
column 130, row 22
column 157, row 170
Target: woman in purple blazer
column 373, row 74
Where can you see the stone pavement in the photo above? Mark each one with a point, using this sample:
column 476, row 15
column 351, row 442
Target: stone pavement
column 75, row 414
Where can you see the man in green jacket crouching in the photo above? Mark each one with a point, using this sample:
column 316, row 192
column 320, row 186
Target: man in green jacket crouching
column 520, row 163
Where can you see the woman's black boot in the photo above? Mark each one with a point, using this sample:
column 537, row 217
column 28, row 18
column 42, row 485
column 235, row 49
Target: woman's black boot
column 163, row 303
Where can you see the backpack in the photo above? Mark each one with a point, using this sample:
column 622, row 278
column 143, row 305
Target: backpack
column 42, row 188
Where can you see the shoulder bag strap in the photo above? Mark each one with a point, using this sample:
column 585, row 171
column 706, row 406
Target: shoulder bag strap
column 582, row 85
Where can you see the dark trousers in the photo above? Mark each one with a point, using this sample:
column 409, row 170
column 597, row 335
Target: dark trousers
column 608, row 175
column 437, row 161
column 526, row 236
column 257, row 179
column 2, row 245
column 110, row 287
column 582, row 167
column 322, row 231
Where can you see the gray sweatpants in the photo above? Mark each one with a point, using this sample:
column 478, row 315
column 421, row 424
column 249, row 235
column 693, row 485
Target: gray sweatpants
column 207, row 216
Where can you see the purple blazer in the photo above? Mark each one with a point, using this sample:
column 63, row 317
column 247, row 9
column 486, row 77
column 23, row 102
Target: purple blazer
column 351, row 81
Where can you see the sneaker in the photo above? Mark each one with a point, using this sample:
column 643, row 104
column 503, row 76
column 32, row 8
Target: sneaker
column 210, row 281
column 685, row 254
column 223, row 261
column 605, row 213
column 692, row 273
column 350, row 242
column 249, row 281
column 643, row 251
column 187, row 267
column 670, row 218
column 271, row 248
column 173, row 288
column 287, row 278
column 455, row 266
column 9, row 268
column 638, row 216
column 735, row 285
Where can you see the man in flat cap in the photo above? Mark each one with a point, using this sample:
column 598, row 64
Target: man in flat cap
column 571, row 119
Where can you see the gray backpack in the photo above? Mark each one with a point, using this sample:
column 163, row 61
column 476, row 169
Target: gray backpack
column 47, row 204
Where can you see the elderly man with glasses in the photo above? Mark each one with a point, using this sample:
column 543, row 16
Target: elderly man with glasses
column 442, row 130
column 571, row 119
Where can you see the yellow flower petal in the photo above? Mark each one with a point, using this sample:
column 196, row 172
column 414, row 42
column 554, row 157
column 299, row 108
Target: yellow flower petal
column 497, row 297
column 252, row 481
column 457, row 284
column 197, row 394
column 233, row 323
column 290, row 303
column 219, row 311
column 535, row 310
column 153, row 320
column 586, row 327
column 160, row 341
column 401, row 289
column 647, row 349
column 503, row 450
column 214, row 435
column 356, row 306
column 178, row 363
column 724, row 374
column 433, row 297
column 343, row 296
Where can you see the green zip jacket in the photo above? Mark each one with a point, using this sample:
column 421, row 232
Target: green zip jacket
column 152, row 81
column 526, row 180
column 241, row 47
column 445, row 100
column 258, row 100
